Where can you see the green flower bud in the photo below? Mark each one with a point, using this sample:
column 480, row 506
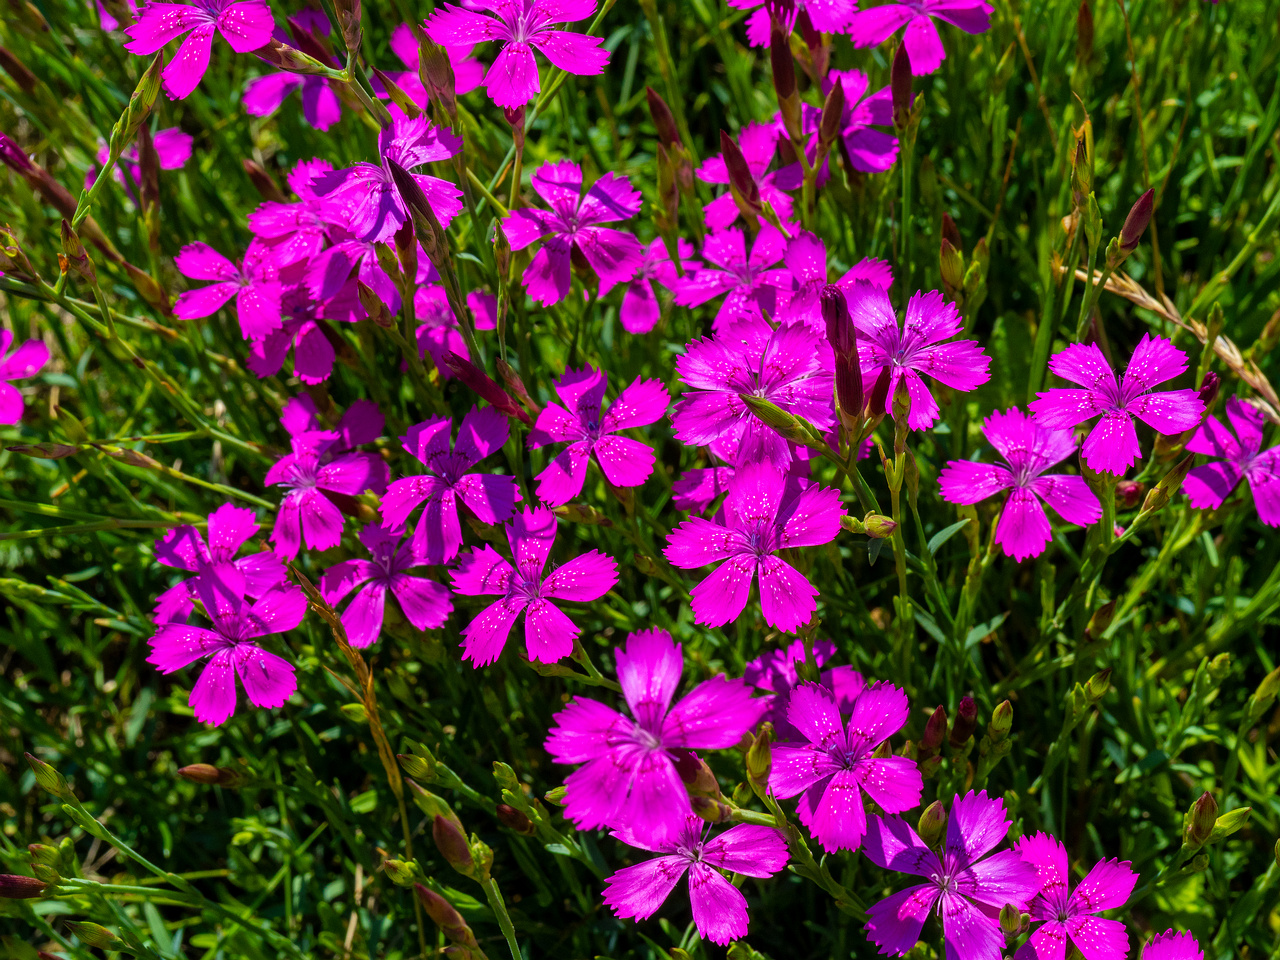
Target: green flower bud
column 710, row 809
column 1199, row 821
column 1001, row 721
column 95, row 935
column 1010, row 920
column 1229, row 823
column 49, row 779
column 1097, row 686
column 556, row 795
column 513, row 819
column 932, row 823
column 760, row 758
column 1220, row 668
column 1100, row 621
column 400, row 872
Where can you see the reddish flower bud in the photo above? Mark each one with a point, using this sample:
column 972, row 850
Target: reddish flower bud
column 436, row 72
column 784, row 81
column 452, row 845
column 880, row 393
column 1136, row 222
column 1200, row 820
column 442, row 912
column 951, row 233
column 663, row 120
column 513, row 819
column 934, row 731
column 13, row 156
column 1209, row 388
column 516, row 117
column 844, row 342
column 18, row 887
column 740, row 178
column 210, row 775
column 832, row 118
column 965, row 723
column 1084, row 33
column 15, row 68
column 263, row 182
column 900, row 85
column 475, row 378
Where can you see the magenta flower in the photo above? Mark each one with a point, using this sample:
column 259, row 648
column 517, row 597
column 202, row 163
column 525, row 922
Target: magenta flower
column 1028, row 449
column 313, row 354
column 967, row 889
column 698, row 487
column 1069, row 916
column 255, row 285
column 1173, row 946
column 719, row 908
column 438, row 333
column 640, row 310
column 623, row 461
column 776, row 672
column 245, row 25
column 294, row 232
column 836, row 767
column 107, row 22
column 758, row 142
column 520, row 27
column 573, row 223
column 870, row 150
column 1209, row 484
column 321, row 108
column 185, row 548
column 914, row 349
column 629, row 778
column 26, row 361
column 1112, row 445
column 751, row 286
column 267, row 678
column 790, row 366
column 548, row 633
column 924, row 46
column 827, row 16
column 806, row 260
column 468, row 73
column 317, row 471
column 364, row 198
column 173, row 150
column 491, row 497
column 764, row 513
column 425, row 603
column 333, row 276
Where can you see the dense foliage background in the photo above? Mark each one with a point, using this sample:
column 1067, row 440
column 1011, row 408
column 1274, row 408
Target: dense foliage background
column 1178, row 95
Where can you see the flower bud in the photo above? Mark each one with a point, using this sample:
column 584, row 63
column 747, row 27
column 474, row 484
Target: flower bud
column 1229, row 823
column 1269, row 337
column 148, row 169
column 663, row 120
column 1163, row 491
column 760, row 757
column 932, row 823
column 832, row 118
column 436, row 73
column 1199, row 821
column 965, row 723
column 900, row 86
column 1129, row 492
column 513, row 819
column 1010, row 920
column 1100, row 621
column 425, row 223
column 934, row 732
column 1219, row 668
column 13, row 156
column 1262, row 698
column 475, row 378
column 1084, row 33
column 44, row 853
column 952, row 264
column 15, row 68
column 73, row 260
column 442, row 912
column 877, row 402
column 1209, row 388
column 784, row 82
column 582, row 513
column 349, row 22
column 515, row 117
column 787, row 426
column 18, row 887
column 95, row 935
column 879, row 527
column 399, row 872
column 45, row 873
column 556, row 795
column 432, row 805
column 419, row 768
column 1001, row 721
column 395, row 93
column 147, row 288
column 710, row 809
column 694, row 773
column 743, row 184
column 406, row 243
column 210, row 775
column 263, row 182
column 50, row 780
column 1081, row 173
column 1136, row 222
column 1096, row 687
column 452, row 845
column 373, row 305
column 516, row 386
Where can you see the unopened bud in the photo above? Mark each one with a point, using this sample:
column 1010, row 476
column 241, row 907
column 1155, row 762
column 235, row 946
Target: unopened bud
column 397, row 95
column 935, row 730
column 50, row 780
column 420, row 768
column 17, row 887
column 1136, row 222
column 900, row 86
column 95, row 935
column 1209, row 388
column 208, row 774
column 1163, row 491
column 442, row 912
column 760, row 757
column 147, row 288
column 1229, row 823
column 832, row 119
column 784, row 82
column 45, row 873
column 349, row 23
column 774, row 416
column 556, row 795
column 951, row 233
column 1001, row 721
column 1269, row 337
column 952, row 266
column 1129, row 492
column 1264, row 696
column 516, row 385
column 263, row 181
column 582, row 513
column 878, row 526
column 877, row 402
column 1084, row 33
column 710, row 809
column 1100, row 621
column 148, row 169
column 1010, row 920
column 373, row 305
column 695, row 774
column 932, row 823
column 435, row 70
column 1081, row 173
column 743, row 184
column 1219, row 668
column 475, row 378
column 452, row 845
column 1097, row 686
column 399, row 872
column 663, row 120
column 965, row 723
column 44, row 853
column 1200, row 820
column 513, row 819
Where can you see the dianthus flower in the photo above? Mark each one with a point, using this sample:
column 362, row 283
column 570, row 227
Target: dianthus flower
column 548, row 633
column 173, row 150
column 317, row 471
column 789, row 366
column 438, row 332
column 449, row 480
column 1112, row 445
column 1173, row 945
column 870, row 150
column 520, row 27
column 629, row 778
column 364, row 198
column 246, row 25
column 915, row 348
column 719, row 908
column 267, row 678
column 1067, row 915
column 758, row 142
column 924, row 46
column 764, row 513
column 967, row 889
column 425, row 603
column 827, row 16
column 1028, row 449
column 776, row 672
column 300, row 330
column 806, row 260
column 185, row 548
column 623, row 461
column 1209, row 484
column 640, row 310
column 836, row 767
column 294, row 232
column 573, row 222
column 750, row 282
column 468, row 73
column 255, row 285
column 26, row 361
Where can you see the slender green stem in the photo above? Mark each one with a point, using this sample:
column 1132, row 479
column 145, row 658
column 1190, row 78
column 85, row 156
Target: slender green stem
column 499, row 908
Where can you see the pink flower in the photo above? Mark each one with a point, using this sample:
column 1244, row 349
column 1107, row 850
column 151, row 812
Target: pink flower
column 790, row 366
column 640, row 310
column 107, row 22
column 316, row 471
column 623, row 461
column 364, row 198
column 719, row 908
column 468, row 73
column 255, row 286
column 806, row 260
column 185, row 547
column 758, row 142
column 775, row 671
column 1028, row 449
column 333, row 276
column 313, row 354
column 967, row 889
column 764, row 513
column 548, row 633
column 629, row 779
column 697, row 488
column 748, row 280
column 1173, row 946
column 827, row 16
column 1112, row 445
column 26, row 361
column 924, row 46
column 246, row 26
column 1209, row 484
column 173, row 150
column 914, row 349
column 268, row 679
column 870, row 150
column 836, row 767
column 293, row 232
column 1067, row 915
column 573, row 223
column 491, row 497
column 425, row 603
column 522, row 26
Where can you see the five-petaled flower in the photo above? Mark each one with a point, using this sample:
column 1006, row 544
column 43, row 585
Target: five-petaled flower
column 623, row 461
column 750, row 282
column 548, row 633
column 1209, row 484
column 629, row 778
column 1029, row 449
column 255, row 285
column 246, row 25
